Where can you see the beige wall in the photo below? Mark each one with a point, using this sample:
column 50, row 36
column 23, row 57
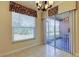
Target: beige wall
column 77, row 29
column 6, row 44
column 66, row 6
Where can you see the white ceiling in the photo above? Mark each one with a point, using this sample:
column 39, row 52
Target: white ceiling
column 29, row 4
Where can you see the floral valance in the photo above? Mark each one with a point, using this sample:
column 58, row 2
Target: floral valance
column 21, row 9
column 53, row 11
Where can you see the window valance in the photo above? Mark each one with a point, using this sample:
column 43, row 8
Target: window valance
column 53, row 11
column 21, row 9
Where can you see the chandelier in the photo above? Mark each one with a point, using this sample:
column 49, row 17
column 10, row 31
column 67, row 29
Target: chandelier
column 44, row 5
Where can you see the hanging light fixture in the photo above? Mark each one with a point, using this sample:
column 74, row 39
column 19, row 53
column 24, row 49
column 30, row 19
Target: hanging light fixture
column 44, row 5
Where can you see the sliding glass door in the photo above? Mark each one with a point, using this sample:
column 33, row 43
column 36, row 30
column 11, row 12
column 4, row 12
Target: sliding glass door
column 57, row 31
column 49, row 28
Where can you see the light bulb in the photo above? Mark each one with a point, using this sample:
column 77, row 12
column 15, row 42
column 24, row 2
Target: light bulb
column 46, row 6
column 39, row 5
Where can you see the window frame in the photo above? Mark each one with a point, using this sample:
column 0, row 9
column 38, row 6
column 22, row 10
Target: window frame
column 14, row 41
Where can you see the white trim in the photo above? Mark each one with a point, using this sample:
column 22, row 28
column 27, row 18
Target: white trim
column 19, row 49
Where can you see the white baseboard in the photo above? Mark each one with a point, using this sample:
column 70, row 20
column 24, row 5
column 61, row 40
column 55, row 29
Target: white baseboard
column 20, row 49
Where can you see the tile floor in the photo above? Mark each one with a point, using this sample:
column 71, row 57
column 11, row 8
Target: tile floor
column 41, row 51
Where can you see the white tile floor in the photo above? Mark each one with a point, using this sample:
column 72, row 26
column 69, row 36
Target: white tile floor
column 49, row 51
column 41, row 51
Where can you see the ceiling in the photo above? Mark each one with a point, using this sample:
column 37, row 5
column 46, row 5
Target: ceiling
column 29, row 4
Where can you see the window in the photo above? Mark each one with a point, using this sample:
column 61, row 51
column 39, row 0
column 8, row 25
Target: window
column 23, row 27
column 52, row 27
column 57, row 28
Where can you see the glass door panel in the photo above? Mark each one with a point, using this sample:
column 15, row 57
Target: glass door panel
column 49, row 30
column 57, row 31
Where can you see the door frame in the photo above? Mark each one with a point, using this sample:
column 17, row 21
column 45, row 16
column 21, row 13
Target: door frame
column 72, row 26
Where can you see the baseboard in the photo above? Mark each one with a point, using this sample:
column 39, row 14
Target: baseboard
column 20, row 49
column 77, row 54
